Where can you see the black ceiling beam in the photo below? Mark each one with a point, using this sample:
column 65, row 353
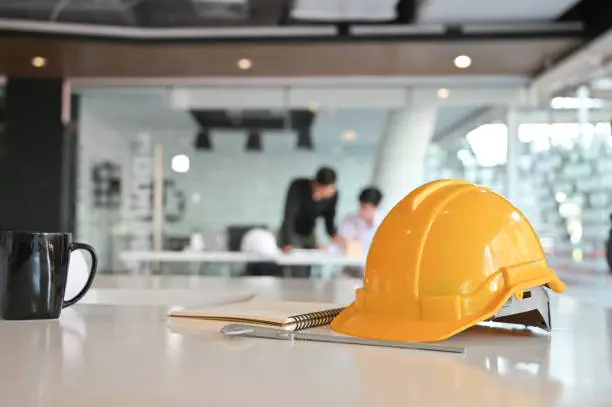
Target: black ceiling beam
column 406, row 11
column 596, row 15
column 255, row 122
column 155, row 13
column 116, row 12
column 187, row 13
column 252, row 119
column 285, row 12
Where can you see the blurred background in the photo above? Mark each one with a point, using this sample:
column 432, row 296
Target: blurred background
column 157, row 125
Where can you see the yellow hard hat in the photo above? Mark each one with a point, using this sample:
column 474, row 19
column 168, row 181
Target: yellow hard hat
column 447, row 256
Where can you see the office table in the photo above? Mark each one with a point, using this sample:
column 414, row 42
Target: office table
column 298, row 257
column 130, row 355
column 295, row 258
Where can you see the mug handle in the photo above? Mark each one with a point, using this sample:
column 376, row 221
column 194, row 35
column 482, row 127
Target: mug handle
column 92, row 273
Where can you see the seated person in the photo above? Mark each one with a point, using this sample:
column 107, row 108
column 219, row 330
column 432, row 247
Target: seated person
column 357, row 230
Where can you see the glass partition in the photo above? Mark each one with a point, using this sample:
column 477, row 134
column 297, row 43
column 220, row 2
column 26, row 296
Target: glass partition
column 155, row 176
column 565, row 172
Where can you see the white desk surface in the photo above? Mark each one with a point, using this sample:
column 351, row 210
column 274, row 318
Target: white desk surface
column 129, row 355
column 295, row 258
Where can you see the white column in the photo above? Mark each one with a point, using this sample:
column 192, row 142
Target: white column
column 401, row 156
column 158, row 197
column 514, row 154
column 586, row 137
column 583, row 107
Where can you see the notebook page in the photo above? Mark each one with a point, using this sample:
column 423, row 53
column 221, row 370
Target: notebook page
column 276, row 312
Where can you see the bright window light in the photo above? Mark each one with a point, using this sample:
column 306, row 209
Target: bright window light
column 560, row 197
column 542, row 136
column 575, row 103
column 180, row 163
column 467, row 158
column 489, row 143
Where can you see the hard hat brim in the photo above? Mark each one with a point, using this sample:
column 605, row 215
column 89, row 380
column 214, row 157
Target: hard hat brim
column 361, row 323
column 356, row 323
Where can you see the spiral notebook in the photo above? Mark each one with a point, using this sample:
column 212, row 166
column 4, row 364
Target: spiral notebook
column 289, row 315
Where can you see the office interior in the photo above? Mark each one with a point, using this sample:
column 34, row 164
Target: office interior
column 162, row 132
column 233, row 176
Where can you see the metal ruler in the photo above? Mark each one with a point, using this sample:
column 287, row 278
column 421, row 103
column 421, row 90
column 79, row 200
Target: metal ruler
column 274, row 333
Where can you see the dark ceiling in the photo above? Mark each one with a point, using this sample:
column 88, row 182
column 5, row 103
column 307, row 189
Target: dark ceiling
column 166, row 13
column 141, row 38
column 96, row 59
column 219, row 13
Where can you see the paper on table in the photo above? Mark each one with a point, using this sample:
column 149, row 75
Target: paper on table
column 286, row 314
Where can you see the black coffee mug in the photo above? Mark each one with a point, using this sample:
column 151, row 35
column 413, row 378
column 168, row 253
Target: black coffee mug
column 33, row 274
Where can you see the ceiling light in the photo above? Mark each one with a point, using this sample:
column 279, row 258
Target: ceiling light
column 304, row 139
column 39, row 62
column 443, row 93
column 254, row 142
column 180, row 163
column 463, row 61
column 203, row 140
column 245, row 64
column 349, row 135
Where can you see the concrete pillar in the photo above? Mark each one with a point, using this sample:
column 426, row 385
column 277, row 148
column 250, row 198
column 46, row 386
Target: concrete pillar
column 38, row 157
column 401, row 156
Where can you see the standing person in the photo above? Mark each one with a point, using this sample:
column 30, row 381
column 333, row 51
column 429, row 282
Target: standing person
column 307, row 199
column 361, row 226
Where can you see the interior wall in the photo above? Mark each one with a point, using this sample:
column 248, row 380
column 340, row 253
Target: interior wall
column 238, row 187
column 225, row 186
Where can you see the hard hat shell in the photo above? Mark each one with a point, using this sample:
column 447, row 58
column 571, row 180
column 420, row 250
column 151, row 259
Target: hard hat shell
column 259, row 241
column 447, row 256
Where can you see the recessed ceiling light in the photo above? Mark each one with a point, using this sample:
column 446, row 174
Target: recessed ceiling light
column 180, row 163
column 443, row 93
column 245, row 64
column 463, row 61
column 349, row 135
column 39, row 62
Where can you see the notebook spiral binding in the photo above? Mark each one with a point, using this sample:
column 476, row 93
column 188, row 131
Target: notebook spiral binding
column 314, row 319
